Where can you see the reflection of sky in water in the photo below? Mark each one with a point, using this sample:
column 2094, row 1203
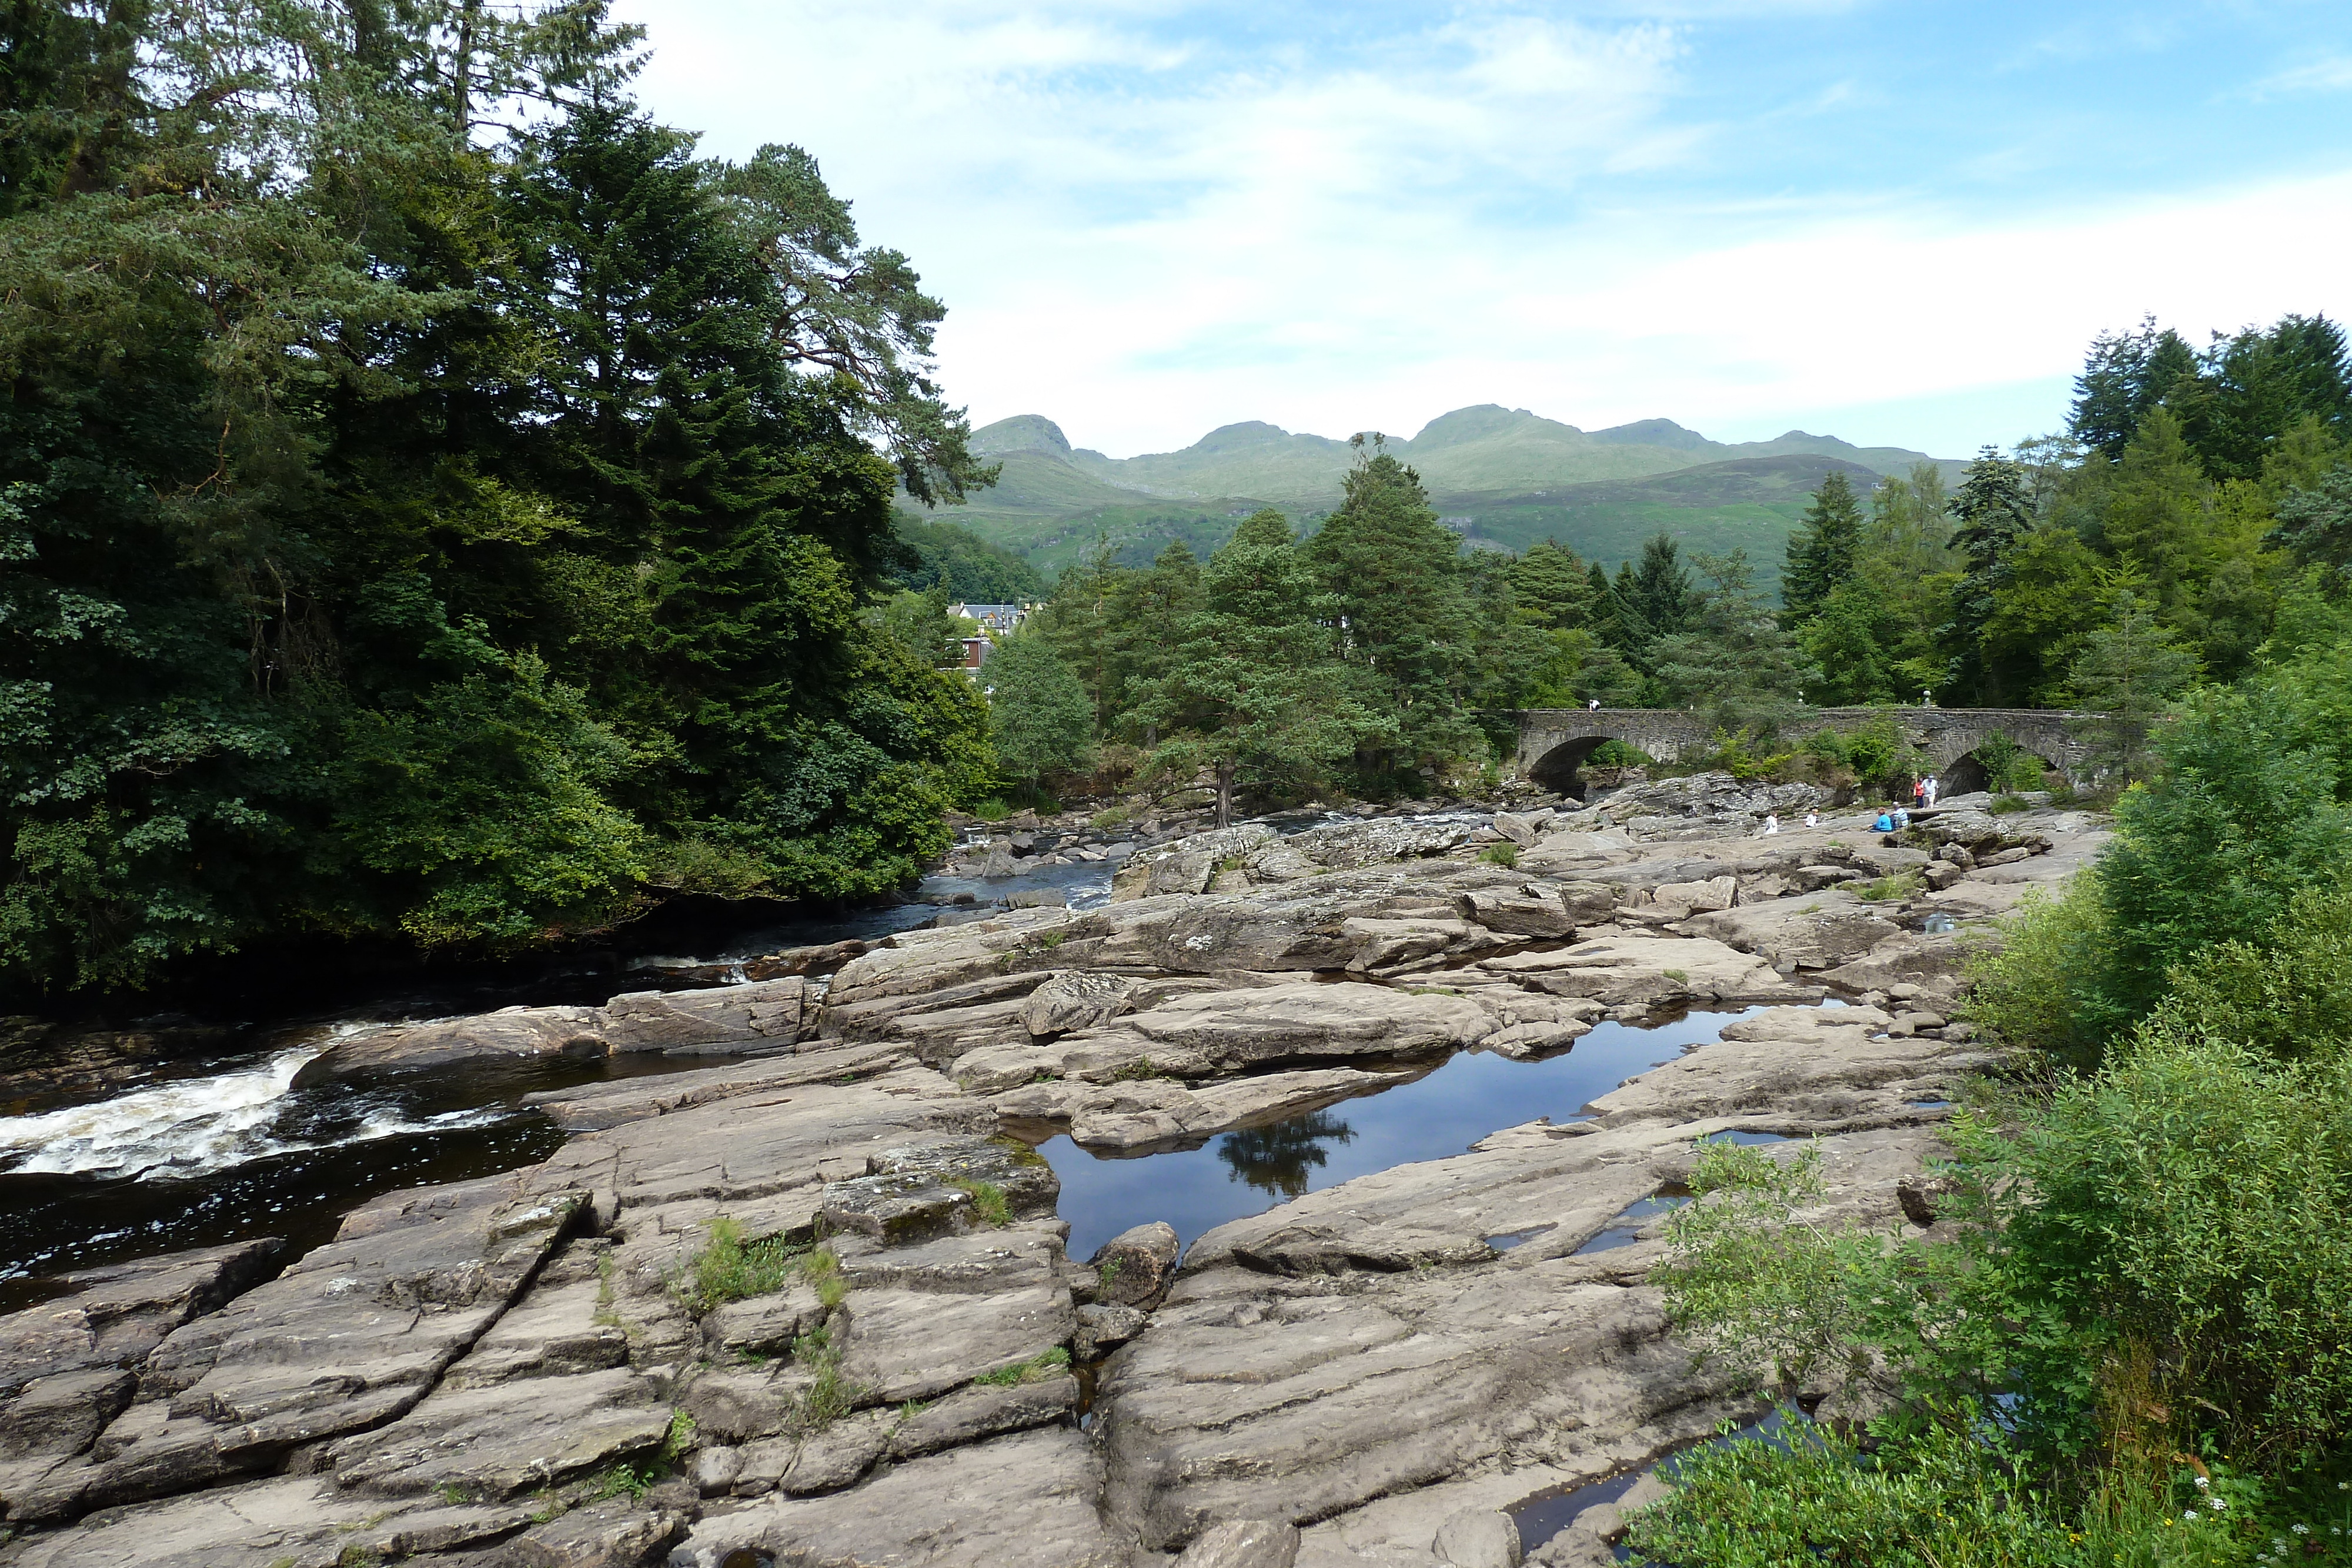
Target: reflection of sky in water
column 1245, row 1173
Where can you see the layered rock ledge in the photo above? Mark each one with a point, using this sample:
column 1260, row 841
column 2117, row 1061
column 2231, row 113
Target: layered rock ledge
column 809, row 1301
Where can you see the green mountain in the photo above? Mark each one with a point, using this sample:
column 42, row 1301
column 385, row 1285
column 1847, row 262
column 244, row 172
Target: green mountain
column 1503, row 478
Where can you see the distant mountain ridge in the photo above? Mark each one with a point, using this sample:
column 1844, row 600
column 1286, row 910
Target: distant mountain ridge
column 1502, row 477
column 1484, row 448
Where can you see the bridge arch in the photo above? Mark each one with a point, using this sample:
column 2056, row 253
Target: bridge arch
column 1560, row 769
column 1554, row 743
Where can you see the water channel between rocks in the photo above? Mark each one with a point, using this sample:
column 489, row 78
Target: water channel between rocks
column 1472, row 1094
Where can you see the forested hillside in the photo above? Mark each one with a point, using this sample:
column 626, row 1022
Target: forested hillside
column 2109, row 569
column 1502, row 479
column 437, row 503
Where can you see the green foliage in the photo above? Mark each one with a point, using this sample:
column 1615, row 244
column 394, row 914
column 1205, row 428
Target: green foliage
column 1734, row 664
column 2127, row 671
column 731, row 1267
column 1935, row 1499
column 2188, row 1198
column 1823, row 551
column 988, row 1203
column 1039, row 714
column 1257, row 692
column 2241, row 818
column 1892, row 888
column 1390, row 583
column 964, row 567
column 1506, row 853
column 2286, row 997
column 436, row 531
column 1617, row 754
column 1044, row 1364
column 2042, row 987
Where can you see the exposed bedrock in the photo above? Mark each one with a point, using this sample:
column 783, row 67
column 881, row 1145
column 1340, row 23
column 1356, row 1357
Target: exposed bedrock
column 812, row 1302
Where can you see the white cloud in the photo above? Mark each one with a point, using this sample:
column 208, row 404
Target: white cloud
column 1144, row 229
column 2330, row 75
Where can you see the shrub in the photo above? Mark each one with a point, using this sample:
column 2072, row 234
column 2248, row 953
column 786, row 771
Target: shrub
column 2191, row 1198
column 2289, row 996
column 2239, row 821
column 1890, row 889
column 1617, row 754
column 2042, row 989
column 1506, row 853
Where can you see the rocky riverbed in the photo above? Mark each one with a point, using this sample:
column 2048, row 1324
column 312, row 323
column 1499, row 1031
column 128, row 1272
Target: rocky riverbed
column 806, row 1297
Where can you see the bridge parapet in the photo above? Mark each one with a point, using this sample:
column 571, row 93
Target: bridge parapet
column 1555, row 742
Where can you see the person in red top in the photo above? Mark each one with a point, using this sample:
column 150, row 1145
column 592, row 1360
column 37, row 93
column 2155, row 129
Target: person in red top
column 1919, row 793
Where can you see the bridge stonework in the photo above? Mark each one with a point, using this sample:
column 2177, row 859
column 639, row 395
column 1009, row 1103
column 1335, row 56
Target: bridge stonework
column 1554, row 742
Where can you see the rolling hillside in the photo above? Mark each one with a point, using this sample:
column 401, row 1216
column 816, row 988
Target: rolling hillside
column 1503, row 478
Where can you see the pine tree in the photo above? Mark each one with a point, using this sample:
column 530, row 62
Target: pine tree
column 1995, row 509
column 1823, row 551
column 1393, row 576
column 1551, row 588
column 1734, row 663
column 2127, row 671
column 1256, row 693
column 2160, row 515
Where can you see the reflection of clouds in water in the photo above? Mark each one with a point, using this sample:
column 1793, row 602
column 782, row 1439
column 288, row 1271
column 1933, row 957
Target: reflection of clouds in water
column 1277, row 1159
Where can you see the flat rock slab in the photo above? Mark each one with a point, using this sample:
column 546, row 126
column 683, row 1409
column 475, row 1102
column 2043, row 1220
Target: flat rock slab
column 919, row 1192
column 296, row 1522
column 487, row 1444
column 591, row 1107
column 119, row 1313
column 1817, row 932
column 1646, row 970
column 915, row 1344
column 1031, row 1499
column 351, row 1336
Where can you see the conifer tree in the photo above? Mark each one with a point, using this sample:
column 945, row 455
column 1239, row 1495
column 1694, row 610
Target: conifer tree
column 1257, row 695
column 1393, row 576
column 1824, row 551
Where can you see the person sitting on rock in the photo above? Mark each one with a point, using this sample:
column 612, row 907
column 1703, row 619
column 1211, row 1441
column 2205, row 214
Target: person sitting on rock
column 1885, row 824
column 1813, row 818
column 1771, row 824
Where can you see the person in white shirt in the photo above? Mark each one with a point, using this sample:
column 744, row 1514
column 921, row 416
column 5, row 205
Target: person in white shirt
column 1813, row 818
column 1932, row 787
column 1771, row 825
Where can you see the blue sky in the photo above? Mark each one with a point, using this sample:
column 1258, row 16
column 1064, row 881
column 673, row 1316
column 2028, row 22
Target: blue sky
column 1898, row 223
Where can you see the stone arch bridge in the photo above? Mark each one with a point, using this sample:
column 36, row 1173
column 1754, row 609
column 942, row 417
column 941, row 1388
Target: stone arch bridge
column 1555, row 742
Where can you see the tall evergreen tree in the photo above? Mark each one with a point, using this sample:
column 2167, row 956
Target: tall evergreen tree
column 1824, row 551
column 1393, row 576
column 2124, row 375
column 1551, row 588
column 1257, row 693
column 1995, row 509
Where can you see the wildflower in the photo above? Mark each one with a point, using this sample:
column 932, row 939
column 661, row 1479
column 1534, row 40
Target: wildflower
column 2221, row 1503
column 2202, row 1483
column 2190, row 1518
column 2299, row 1530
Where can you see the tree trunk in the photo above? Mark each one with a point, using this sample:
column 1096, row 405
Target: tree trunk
column 1224, row 794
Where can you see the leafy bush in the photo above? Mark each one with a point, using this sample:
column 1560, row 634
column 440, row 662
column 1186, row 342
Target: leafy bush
column 2041, row 989
column 1506, row 853
column 1938, row 1499
column 2241, row 819
column 2289, row 996
column 2191, row 1198
column 1617, row 754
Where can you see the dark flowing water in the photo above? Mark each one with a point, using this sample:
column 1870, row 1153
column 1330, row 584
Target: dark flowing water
column 205, row 1149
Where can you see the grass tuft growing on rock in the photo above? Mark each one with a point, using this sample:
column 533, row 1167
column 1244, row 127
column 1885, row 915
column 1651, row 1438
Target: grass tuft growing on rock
column 988, row 1203
column 1892, row 889
column 1506, row 853
column 1044, row 1364
column 732, row 1269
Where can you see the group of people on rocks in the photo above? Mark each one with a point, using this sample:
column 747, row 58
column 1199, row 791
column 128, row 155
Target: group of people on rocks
column 1893, row 819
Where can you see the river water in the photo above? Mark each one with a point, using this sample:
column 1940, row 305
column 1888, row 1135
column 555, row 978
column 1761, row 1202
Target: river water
column 222, row 1147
